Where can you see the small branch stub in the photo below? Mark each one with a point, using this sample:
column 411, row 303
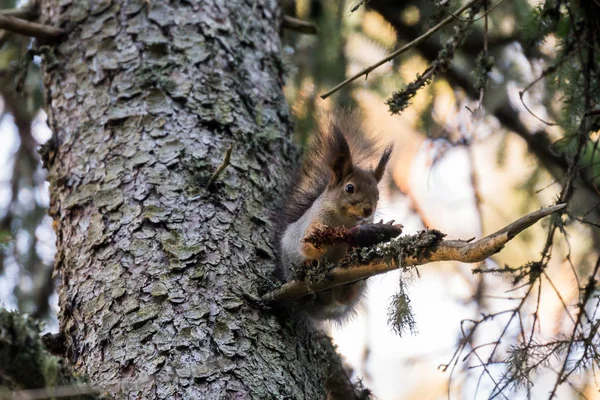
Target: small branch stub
column 298, row 25
column 224, row 164
column 33, row 29
column 412, row 250
column 26, row 13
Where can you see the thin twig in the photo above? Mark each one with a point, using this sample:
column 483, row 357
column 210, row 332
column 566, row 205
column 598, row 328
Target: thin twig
column 562, row 301
column 298, row 25
column 563, row 375
column 446, row 250
column 33, row 29
column 401, row 50
column 476, row 19
column 484, row 57
column 489, row 11
column 521, row 93
column 550, row 70
column 221, row 168
column 560, row 379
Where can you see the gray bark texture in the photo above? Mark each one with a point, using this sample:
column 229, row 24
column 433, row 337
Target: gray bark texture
column 153, row 267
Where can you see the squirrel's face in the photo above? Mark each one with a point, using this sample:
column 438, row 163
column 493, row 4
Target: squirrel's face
column 352, row 190
column 356, row 196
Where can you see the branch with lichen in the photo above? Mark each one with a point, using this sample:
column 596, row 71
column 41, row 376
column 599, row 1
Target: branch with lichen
column 406, row 251
column 400, row 100
column 401, row 50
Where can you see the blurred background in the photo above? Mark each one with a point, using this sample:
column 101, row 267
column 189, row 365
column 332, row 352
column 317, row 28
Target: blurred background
column 471, row 155
column 26, row 236
column 466, row 167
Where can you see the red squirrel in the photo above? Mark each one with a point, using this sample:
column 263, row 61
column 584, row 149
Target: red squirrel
column 336, row 186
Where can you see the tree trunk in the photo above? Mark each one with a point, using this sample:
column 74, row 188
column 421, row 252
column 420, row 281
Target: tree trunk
column 154, row 268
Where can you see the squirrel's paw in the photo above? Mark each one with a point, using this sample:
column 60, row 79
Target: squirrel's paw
column 309, row 250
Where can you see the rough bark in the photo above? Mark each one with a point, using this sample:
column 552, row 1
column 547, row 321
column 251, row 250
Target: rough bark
column 154, row 268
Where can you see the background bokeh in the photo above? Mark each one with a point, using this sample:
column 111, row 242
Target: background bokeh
column 467, row 174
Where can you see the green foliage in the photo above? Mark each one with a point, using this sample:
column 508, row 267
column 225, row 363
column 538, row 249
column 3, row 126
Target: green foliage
column 536, row 24
column 5, row 241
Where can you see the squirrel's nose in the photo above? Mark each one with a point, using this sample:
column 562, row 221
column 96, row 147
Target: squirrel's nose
column 367, row 211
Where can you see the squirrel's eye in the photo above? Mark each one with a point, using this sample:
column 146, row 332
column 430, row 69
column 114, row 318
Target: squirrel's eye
column 349, row 188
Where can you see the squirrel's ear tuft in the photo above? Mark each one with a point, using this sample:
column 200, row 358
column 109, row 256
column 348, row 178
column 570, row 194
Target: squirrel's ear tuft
column 379, row 171
column 340, row 157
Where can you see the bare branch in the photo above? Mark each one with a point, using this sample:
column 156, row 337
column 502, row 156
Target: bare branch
column 401, row 50
column 591, row 112
column 33, row 29
column 385, row 257
column 298, row 25
column 27, row 13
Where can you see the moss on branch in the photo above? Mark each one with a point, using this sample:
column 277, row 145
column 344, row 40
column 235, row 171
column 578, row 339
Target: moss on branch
column 25, row 364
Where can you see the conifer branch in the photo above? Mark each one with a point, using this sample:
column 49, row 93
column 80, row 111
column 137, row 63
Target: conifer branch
column 401, row 50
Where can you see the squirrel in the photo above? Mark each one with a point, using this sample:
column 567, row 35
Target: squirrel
column 336, row 186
